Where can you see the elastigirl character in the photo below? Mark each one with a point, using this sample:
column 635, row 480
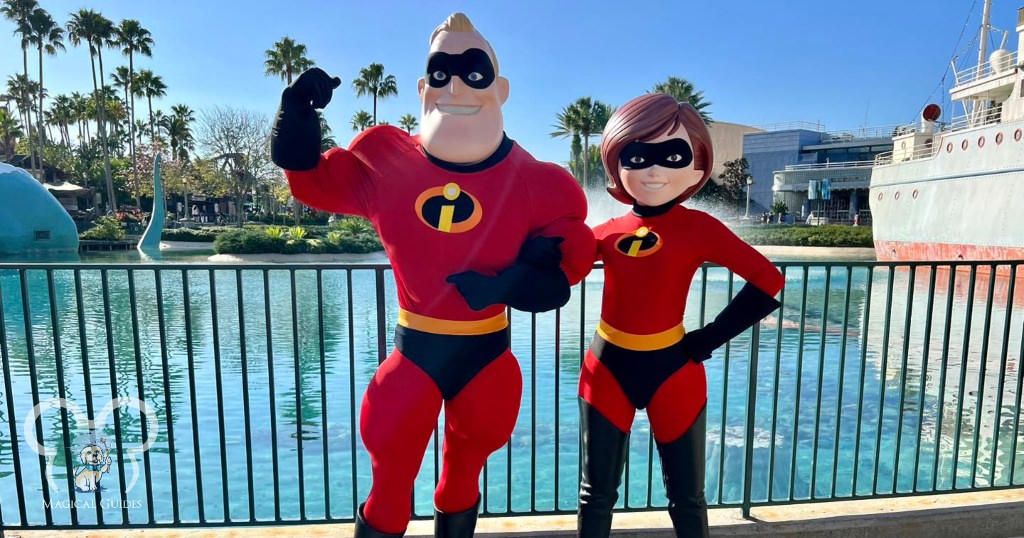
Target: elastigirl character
column 471, row 223
column 657, row 153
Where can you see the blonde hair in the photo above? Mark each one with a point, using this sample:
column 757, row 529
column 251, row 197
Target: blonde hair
column 459, row 22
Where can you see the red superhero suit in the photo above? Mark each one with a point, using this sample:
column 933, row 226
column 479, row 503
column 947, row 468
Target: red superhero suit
column 436, row 219
column 657, row 152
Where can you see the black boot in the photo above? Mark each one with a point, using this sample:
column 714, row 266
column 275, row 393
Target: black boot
column 604, row 457
column 364, row 530
column 682, row 466
column 457, row 525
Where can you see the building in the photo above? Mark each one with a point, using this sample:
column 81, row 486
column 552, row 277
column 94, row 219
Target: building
column 788, row 159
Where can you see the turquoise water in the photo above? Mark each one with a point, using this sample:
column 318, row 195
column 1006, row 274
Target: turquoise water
column 844, row 403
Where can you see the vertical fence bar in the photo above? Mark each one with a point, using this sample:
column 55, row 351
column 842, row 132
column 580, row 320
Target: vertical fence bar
column 558, row 401
column 821, row 380
column 842, row 380
column 62, row 393
column 863, row 375
column 725, row 400
column 140, row 389
column 882, row 377
column 114, row 392
column 164, row 360
column 950, row 288
column 321, row 333
column 775, row 387
column 922, row 382
column 354, row 427
column 12, row 422
column 908, row 317
column 748, row 460
column 272, row 397
column 1002, row 369
column 244, row 363
column 218, row 382
column 981, row 377
column 382, row 336
column 799, row 383
column 1016, row 407
column 297, row 351
column 964, row 357
column 190, row 354
column 30, row 354
column 533, row 413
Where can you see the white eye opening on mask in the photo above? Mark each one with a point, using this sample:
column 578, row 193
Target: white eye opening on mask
column 674, row 158
column 474, row 76
column 636, row 160
column 439, row 75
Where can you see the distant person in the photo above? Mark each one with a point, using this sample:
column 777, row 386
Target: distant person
column 657, row 153
column 472, row 223
column 195, row 213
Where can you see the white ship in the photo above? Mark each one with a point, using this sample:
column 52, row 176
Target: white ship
column 956, row 191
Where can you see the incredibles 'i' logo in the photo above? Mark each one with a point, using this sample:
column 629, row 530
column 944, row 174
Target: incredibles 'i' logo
column 448, row 209
column 642, row 242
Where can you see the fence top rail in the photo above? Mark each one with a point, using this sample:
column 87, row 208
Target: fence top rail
column 384, row 267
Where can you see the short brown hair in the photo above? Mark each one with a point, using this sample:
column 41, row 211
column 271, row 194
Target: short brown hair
column 646, row 118
column 459, row 22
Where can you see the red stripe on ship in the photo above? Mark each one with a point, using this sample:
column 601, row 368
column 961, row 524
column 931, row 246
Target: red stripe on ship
column 902, row 251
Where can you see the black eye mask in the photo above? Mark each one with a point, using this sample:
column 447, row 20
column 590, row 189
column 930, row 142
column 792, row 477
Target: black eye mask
column 474, row 67
column 675, row 153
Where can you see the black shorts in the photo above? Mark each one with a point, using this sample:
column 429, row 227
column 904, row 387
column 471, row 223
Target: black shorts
column 451, row 361
column 639, row 373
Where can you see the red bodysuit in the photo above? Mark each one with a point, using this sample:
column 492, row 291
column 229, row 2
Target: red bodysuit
column 436, row 219
column 649, row 264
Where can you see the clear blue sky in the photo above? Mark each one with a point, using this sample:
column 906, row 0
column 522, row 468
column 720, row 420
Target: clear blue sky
column 844, row 64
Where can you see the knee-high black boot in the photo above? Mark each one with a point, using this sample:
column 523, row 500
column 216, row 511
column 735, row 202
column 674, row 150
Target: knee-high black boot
column 604, row 456
column 364, row 530
column 456, row 525
column 682, row 466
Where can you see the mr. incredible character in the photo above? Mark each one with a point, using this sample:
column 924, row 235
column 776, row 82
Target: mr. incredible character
column 471, row 223
column 657, row 153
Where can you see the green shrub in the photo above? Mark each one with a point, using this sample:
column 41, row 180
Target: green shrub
column 257, row 240
column 354, row 226
column 275, row 231
column 807, row 236
column 297, row 232
column 199, row 235
column 105, row 229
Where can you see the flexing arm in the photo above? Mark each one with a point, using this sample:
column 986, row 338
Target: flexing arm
column 753, row 302
column 336, row 181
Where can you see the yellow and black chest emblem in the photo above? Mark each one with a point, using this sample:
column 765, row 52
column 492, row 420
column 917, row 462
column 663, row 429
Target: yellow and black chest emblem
column 642, row 242
column 449, row 209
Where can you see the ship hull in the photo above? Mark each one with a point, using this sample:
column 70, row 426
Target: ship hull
column 965, row 202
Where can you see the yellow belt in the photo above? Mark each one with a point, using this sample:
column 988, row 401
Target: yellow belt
column 640, row 342
column 444, row 326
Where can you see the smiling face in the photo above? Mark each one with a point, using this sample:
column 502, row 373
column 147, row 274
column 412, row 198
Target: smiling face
column 91, row 455
column 461, row 120
column 658, row 171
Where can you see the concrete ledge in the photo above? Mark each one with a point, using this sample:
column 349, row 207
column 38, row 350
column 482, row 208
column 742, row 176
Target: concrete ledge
column 993, row 514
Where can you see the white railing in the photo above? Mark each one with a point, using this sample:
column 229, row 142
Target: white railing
column 978, row 72
column 814, row 166
column 922, row 152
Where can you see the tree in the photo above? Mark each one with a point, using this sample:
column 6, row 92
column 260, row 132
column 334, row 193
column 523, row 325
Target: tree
column 62, row 115
column 595, row 168
column 361, row 121
column 96, row 30
column 408, row 122
column 585, row 117
column 18, row 12
column 683, row 91
column 178, row 127
column 10, row 132
column 326, row 140
column 286, row 59
column 239, row 141
column 133, row 39
column 47, row 36
column 373, row 82
column 734, row 178
column 149, row 86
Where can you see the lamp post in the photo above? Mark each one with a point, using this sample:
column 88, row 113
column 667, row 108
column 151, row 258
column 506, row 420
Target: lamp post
column 750, row 181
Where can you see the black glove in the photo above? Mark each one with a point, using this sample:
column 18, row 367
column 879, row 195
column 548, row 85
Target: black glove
column 534, row 283
column 295, row 137
column 749, row 307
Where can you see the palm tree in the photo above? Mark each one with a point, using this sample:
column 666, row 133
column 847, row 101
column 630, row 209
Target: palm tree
column 61, row 113
column 132, row 38
column 373, row 82
column 149, row 86
column 21, row 89
column 79, row 111
column 48, row 36
column 585, row 117
column 121, row 78
column 179, row 131
column 683, row 91
column 408, row 122
column 96, row 30
column 18, row 12
column 361, row 121
column 10, row 132
column 326, row 140
column 286, row 59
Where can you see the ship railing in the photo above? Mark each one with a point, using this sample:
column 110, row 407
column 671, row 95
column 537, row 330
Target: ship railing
column 984, row 69
column 815, row 166
column 922, row 152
